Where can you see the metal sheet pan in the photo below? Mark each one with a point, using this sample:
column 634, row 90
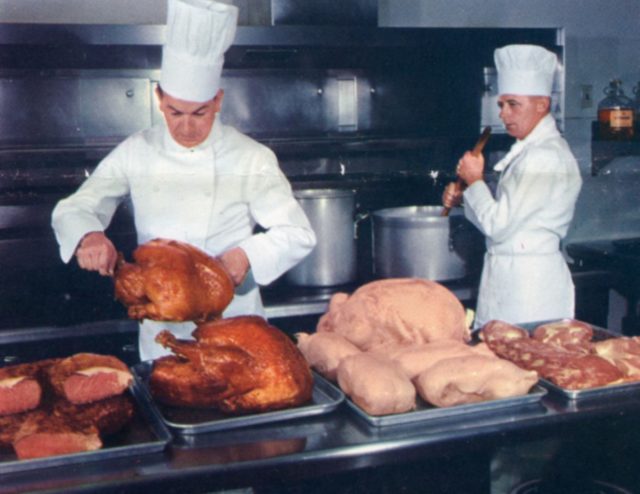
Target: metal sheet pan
column 145, row 434
column 326, row 398
column 426, row 413
column 599, row 334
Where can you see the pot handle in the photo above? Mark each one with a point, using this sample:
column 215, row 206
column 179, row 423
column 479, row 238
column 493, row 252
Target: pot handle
column 359, row 217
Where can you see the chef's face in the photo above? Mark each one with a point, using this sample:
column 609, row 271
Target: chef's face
column 520, row 114
column 189, row 122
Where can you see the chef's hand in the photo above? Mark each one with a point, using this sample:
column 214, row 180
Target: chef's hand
column 452, row 195
column 236, row 263
column 470, row 167
column 96, row 253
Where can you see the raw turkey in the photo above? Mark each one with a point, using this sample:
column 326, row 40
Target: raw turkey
column 471, row 379
column 325, row 351
column 243, row 364
column 173, row 281
column 377, row 385
column 401, row 310
column 414, row 359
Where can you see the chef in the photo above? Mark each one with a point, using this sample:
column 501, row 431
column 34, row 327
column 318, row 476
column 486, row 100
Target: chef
column 525, row 277
column 191, row 178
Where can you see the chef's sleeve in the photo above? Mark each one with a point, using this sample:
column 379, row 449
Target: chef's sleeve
column 91, row 207
column 532, row 185
column 288, row 237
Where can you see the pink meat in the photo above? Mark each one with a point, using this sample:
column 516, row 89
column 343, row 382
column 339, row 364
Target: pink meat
column 23, row 395
column 43, row 444
column 79, row 388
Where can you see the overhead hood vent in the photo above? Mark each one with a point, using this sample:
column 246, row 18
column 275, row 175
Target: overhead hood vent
column 325, row 12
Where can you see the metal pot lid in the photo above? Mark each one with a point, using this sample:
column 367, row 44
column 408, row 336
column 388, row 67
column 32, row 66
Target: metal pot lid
column 413, row 214
column 323, row 193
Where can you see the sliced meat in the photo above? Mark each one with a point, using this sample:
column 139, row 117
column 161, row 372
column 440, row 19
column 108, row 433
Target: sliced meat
column 325, row 351
column 471, row 379
column 88, row 377
column 64, row 428
column 376, row 385
column 43, row 434
column 20, row 387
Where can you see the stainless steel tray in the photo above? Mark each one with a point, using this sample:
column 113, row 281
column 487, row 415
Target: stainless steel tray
column 145, row 434
column 425, row 412
column 599, row 334
column 325, row 399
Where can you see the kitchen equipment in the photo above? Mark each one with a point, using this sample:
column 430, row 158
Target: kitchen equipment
column 417, row 241
column 477, row 149
column 333, row 260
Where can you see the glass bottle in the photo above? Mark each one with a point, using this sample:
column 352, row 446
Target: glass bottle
column 615, row 113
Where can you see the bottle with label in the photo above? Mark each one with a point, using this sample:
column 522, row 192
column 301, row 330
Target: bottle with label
column 616, row 113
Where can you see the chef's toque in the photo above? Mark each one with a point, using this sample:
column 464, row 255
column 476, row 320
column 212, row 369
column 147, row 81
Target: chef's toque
column 198, row 34
column 525, row 70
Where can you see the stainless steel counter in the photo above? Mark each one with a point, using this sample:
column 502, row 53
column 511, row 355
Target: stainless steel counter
column 313, row 449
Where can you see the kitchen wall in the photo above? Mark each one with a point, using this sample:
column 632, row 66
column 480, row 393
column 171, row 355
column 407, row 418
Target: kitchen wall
column 602, row 41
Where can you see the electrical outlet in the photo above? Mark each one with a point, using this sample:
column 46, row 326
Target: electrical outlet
column 586, row 96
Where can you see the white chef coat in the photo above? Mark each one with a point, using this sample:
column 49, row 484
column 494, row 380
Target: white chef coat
column 525, row 277
column 210, row 196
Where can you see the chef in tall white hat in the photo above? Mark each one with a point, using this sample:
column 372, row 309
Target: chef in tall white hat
column 191, row 178
column 525, row 277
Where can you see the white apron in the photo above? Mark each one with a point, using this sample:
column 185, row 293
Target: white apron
column 525, row 277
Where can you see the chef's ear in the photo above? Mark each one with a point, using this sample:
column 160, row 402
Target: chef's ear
column 543, row 104
column 217, row 100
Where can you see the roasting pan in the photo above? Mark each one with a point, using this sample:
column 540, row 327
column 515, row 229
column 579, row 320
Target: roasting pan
column 145, row 434
column 325, row 399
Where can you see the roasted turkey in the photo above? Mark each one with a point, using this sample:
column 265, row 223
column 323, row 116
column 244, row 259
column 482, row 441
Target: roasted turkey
column 237, row 365
column 173, row 281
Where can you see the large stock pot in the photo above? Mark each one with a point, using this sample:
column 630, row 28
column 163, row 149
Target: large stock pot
column 417, row 241
column 331, row 213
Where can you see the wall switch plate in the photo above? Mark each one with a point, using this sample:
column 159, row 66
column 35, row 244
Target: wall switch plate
column 586, row 96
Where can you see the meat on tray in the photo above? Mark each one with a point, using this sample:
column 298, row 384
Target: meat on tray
column 78, row 400
column 472, row 379
column 563, row 352
column 394, row 339
column 20, row 388
column 65, row 428
column 398, row 310
column 245, row 364
column 173, row 281
column 87, row 377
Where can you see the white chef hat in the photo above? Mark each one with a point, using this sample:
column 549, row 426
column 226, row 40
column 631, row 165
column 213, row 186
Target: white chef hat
column 198, row 34
column 526, row 70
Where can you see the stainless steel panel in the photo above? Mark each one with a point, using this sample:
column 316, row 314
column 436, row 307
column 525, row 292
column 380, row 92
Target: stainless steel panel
column 24, row 100
column 345, row 12
column 113, row 107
